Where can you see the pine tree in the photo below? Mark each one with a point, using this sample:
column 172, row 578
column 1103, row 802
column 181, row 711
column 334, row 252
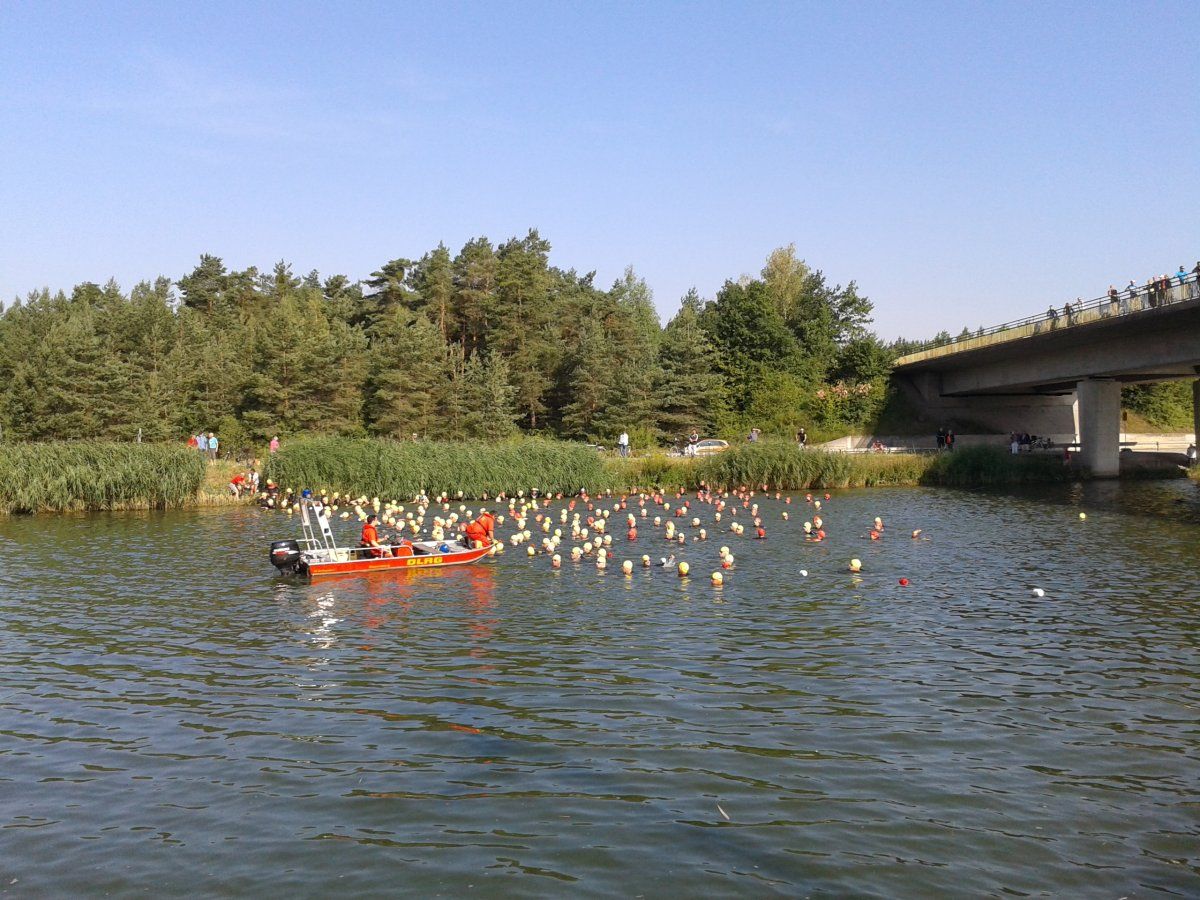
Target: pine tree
column 433, row 278
column 489, row 399
column 407, row 377
column 589, row 376
column 203, row 286
column 522, row 330
column 474, row 293
column 690, row 389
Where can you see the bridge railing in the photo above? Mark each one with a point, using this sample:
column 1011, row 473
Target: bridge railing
column 1152, row 295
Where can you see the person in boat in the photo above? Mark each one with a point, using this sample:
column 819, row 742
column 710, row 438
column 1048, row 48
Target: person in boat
column 370, row 537
column 481, row 532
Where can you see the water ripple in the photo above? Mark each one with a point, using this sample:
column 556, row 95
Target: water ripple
column 175, row 718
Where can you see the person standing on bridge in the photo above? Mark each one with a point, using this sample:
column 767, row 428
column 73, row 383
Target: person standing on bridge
column 1130, row 293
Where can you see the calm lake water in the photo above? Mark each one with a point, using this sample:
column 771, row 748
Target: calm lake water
column 176, row 719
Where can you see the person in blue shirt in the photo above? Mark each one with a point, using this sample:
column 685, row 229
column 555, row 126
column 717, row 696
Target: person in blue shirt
column 213, row 443
column 202, row 443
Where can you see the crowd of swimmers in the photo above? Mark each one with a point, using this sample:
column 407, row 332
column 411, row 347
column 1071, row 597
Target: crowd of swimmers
column 582, row 520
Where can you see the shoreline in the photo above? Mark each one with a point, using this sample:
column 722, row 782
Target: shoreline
column 98, row 476
column 365, row 467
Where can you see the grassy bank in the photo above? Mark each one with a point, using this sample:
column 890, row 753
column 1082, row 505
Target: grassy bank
column 86, row 475
column 399, row 470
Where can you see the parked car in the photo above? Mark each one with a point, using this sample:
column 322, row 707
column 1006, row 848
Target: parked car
column 710, row 446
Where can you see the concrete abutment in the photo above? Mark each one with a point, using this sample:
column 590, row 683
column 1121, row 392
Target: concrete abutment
column 1099, row 407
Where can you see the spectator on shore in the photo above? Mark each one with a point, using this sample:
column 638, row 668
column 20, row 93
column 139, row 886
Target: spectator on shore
column 949, row 439
column 941, row 438
column 623, row 444
column 753, row 436
column 692, row 441
column 1191, row 454
column 192, row 443
column 237, row 484
column 1113, row 300
column 213, row 445
column 802, row 438
column 1181, row 274
column 1014, row 443
column 202, row 443
column 274, row 446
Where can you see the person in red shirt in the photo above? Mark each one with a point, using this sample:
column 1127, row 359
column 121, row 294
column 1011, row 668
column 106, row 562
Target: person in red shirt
column 481, row 532
column 370, row 537
column 236, row 484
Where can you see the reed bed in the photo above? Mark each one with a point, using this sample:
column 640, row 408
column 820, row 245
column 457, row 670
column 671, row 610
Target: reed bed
column 787, row 467
column 784, row 466
column 382, row 468
column 391, row 469
column 97, row 475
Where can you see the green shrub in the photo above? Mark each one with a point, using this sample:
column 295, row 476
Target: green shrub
column 979, row 466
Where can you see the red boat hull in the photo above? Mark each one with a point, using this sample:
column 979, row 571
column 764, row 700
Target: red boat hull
column 313, row 570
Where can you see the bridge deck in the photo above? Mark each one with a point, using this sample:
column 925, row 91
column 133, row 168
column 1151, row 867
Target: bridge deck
column 1127, row 303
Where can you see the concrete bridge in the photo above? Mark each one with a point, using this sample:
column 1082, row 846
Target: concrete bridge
column 1061, row 372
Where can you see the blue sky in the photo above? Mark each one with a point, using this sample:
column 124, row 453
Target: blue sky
column 965, row 163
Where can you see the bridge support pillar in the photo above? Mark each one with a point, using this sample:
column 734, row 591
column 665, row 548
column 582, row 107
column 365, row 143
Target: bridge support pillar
column 1100, row 426
column 1196, row 408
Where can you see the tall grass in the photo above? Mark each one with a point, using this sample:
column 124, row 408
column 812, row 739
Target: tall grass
column 84, row 475
column 384, row 468
column 398, row 470
column 784, row 466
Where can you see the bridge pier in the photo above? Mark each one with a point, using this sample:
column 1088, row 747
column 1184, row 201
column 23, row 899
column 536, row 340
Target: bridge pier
column 1099, row 402
column 1196, row 408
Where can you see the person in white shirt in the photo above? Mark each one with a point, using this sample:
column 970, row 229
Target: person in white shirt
column 623, row 443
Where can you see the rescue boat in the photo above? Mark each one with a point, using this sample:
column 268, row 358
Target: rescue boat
column 316, row 554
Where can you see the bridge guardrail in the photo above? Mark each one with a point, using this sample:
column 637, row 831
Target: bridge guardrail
column 1152, row 295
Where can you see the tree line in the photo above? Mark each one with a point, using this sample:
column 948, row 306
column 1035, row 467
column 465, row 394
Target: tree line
column 487, row 342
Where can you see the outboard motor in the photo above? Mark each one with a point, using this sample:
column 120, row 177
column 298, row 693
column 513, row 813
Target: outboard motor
column 285, row 555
